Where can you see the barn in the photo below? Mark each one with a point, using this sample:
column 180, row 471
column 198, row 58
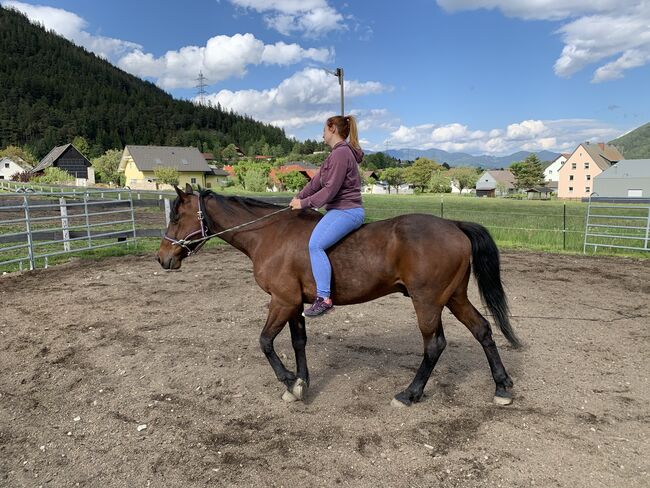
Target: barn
column 69, row 159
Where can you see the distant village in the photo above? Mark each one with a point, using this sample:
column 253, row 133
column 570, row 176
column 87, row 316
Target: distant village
column 592, row 168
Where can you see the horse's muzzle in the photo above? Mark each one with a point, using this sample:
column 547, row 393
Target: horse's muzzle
column 169, row 261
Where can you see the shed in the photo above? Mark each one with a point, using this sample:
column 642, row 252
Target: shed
column 539, row 193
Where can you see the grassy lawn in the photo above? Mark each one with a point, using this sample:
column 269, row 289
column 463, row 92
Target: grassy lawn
column 555, row 225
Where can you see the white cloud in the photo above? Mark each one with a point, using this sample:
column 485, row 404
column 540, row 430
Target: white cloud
column 312, row 17
column 529, row 135
column 71, row 26
column 221, row 58
column 596, row 30
column 309, row 96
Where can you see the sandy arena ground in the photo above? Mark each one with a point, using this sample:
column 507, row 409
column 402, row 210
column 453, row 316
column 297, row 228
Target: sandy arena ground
column 91, row 352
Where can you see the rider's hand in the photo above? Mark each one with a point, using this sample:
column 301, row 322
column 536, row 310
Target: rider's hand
column 295, row 204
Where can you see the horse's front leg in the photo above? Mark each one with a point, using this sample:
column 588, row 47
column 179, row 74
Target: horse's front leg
column 277, row 318
column 299, row 341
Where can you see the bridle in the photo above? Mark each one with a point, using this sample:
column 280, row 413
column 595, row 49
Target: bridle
column 205, row 231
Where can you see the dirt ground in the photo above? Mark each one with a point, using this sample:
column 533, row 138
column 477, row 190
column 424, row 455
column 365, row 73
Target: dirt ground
column 91, row 352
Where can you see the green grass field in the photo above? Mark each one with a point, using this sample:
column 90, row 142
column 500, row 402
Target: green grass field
column 554, row 226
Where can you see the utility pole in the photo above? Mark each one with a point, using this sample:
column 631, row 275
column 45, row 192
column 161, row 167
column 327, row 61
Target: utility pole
column 339, row 74
column 201, row 86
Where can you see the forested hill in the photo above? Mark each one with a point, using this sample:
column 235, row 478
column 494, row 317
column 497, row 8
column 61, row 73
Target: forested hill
column 635, row 144
column 52, row 90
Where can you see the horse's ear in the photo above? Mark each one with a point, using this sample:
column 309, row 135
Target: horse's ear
column 179, row 192
column 188, row 189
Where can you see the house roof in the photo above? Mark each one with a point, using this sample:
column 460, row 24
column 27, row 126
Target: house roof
column 17, row 161
column 502, row 176
column 539, row 189
column 219, row 172
column 55, row 154
column 184, row 159
column 602, row 154
column 627, row 168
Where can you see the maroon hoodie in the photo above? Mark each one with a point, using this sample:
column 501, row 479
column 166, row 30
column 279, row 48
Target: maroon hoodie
column 337, row 185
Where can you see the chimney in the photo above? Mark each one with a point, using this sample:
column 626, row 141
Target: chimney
column 601, row 145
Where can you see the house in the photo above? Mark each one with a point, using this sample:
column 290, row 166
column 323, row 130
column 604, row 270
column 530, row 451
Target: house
column 495, row 182
column 11, row 166
column 69, row 159
column 584, row 164
column 139, row 163
column 629, row 178
column 382, row 188
column 307, row 170
column 455, row 189
column 552, row 171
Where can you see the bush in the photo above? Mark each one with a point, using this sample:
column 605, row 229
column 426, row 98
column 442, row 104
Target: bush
column 53, row 175
column 22, row 176
column 255, row 180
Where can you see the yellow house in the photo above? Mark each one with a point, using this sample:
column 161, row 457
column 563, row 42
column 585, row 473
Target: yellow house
column 139, row 163
column 576, row 176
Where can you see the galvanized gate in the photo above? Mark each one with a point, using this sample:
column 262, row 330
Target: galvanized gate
column 35, row 226
column 621, row 223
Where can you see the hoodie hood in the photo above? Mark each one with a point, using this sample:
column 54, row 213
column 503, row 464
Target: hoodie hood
column 358, row 153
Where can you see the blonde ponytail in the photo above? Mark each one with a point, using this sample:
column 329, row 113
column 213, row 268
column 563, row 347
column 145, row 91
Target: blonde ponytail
column 354, row 134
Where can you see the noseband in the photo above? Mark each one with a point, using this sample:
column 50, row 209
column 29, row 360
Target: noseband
column 204, row 231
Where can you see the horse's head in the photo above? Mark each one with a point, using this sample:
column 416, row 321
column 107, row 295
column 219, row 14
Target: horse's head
column 185, row 224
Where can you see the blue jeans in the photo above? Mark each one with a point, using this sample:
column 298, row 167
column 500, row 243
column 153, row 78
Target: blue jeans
column 333, row 227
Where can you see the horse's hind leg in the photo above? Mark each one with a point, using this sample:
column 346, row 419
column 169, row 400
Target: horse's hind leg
column 434, row 343
column 464, row 311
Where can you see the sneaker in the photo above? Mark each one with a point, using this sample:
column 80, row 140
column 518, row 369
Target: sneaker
column 320, row 307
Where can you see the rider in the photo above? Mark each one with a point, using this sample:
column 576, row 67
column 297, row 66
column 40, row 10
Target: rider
column 337, row 187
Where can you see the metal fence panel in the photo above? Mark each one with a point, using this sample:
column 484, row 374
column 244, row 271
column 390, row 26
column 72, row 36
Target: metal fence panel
column 617, row 223
column 46, row 224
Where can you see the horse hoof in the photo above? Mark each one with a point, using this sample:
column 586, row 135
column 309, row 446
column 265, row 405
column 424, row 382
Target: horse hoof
column 499, row 400
column 397, row 404
column 299, row 390
column 289, row 397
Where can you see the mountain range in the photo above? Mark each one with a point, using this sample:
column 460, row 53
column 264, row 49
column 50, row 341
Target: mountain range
column 464, row 159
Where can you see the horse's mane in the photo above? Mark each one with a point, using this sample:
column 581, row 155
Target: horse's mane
column 230, row 204
column 233, row 202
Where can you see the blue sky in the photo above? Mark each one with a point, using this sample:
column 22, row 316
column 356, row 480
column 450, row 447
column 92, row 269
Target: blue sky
column 476, row 76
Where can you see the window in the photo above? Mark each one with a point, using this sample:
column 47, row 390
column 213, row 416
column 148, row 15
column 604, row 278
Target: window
column 570, row 177
column 588, row 177
column 587, row 189
column 586, row 165
column 2, row 177
column 6, row 165
column 570, row 188
column 573, row 165
column 193, row 181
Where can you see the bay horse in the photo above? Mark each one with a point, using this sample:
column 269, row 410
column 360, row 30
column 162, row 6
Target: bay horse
column 424, row 257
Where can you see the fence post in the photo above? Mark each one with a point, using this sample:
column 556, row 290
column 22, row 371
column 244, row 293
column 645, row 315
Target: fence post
column 564, row 227
column 647, row 230
column 442, row 208
column 90, row 243
column 65, row 225
column 167, row 211
column 28, row 228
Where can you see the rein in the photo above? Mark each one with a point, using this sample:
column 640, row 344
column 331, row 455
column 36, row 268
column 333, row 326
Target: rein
column 204, row 231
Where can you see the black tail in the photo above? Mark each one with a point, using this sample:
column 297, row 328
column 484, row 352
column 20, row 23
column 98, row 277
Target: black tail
column 485, row 262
